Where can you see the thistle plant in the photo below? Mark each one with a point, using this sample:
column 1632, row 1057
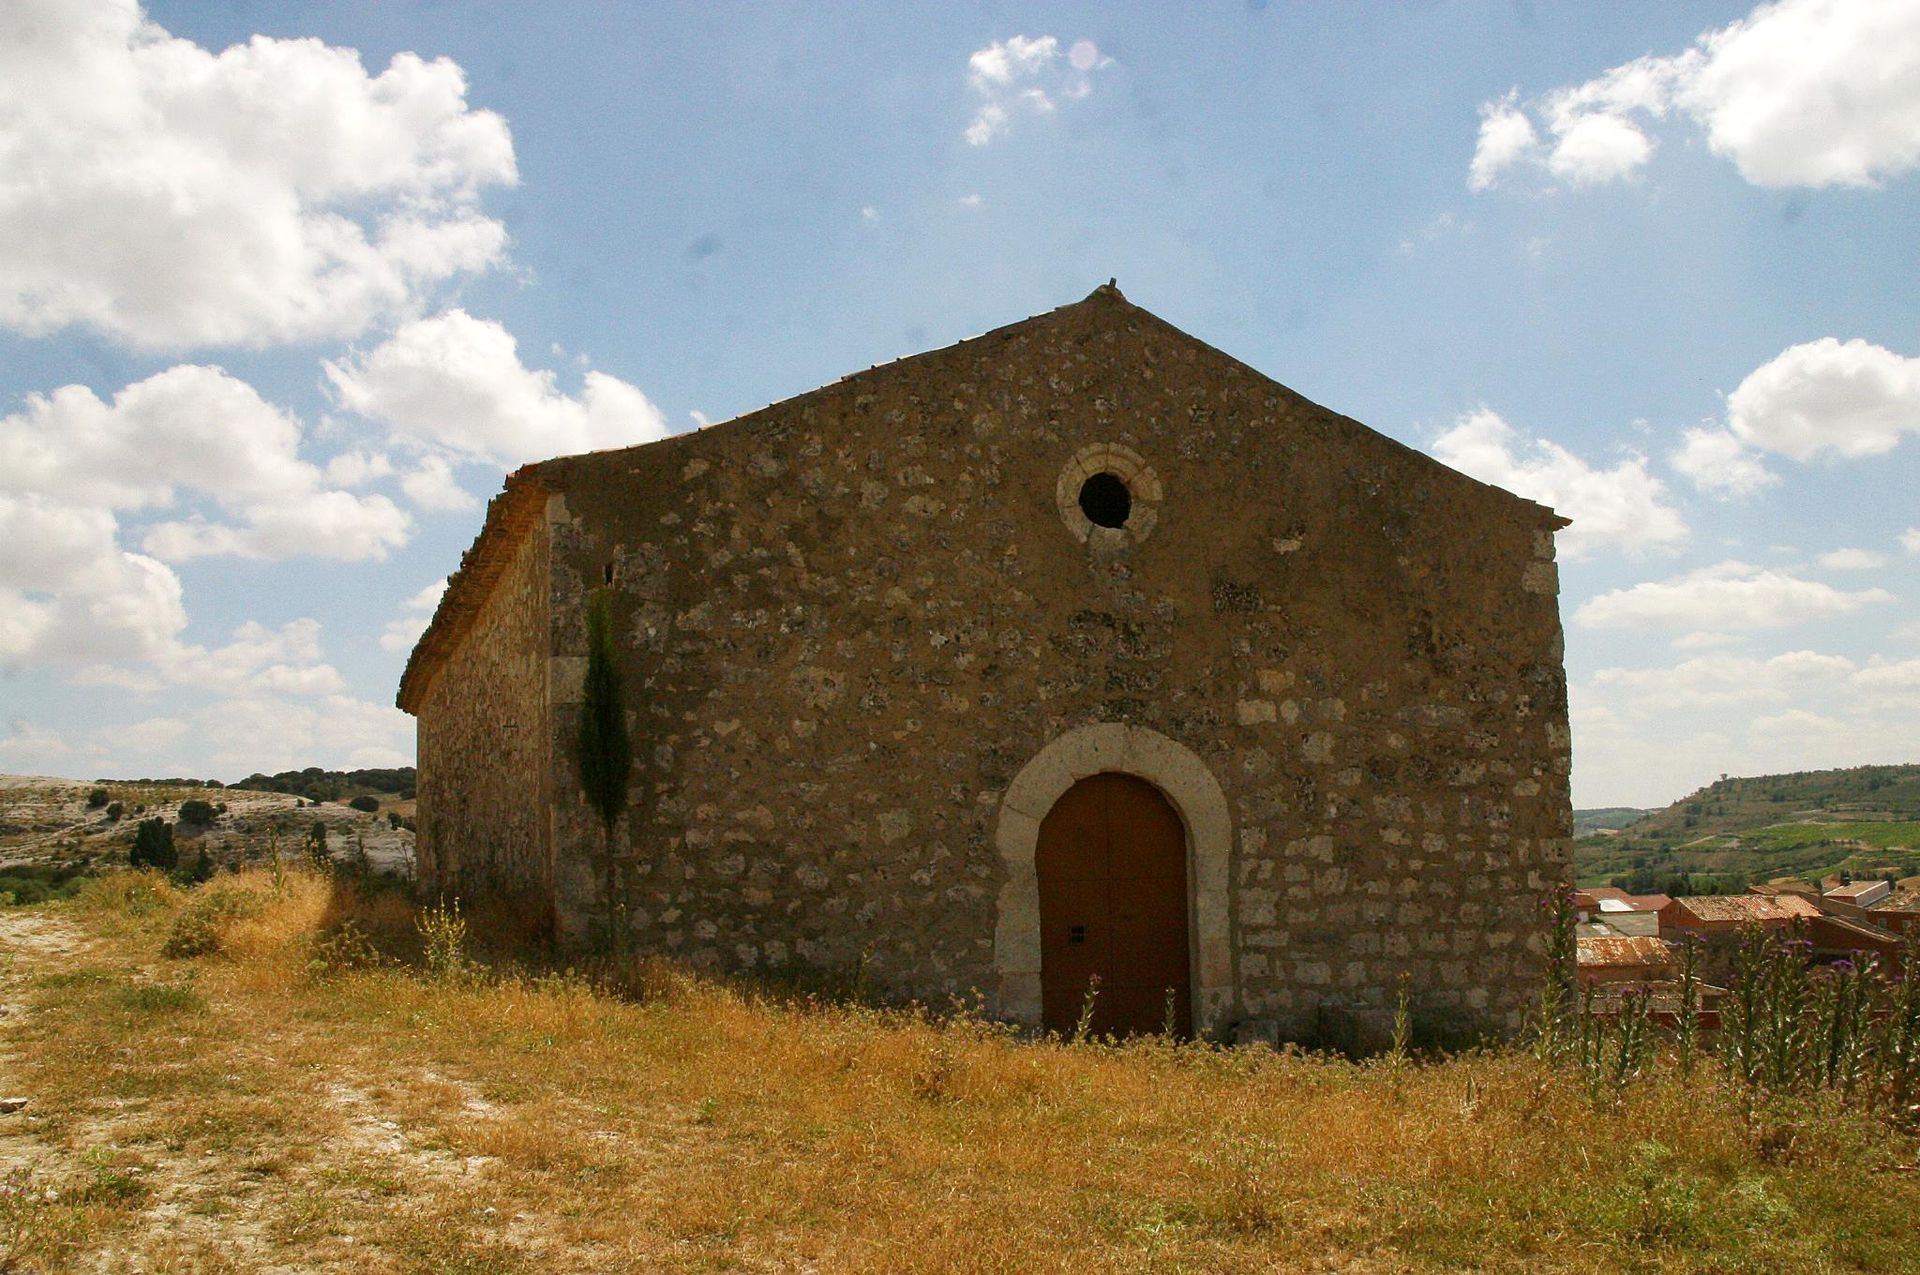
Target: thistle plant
column 1402, row 1029
column 1687, row 1017
column 1556, row 990
column 443, row 935
column 1084, row 1024
column 1897, row 1043
column 1843, row 1018
column 1633, row 1037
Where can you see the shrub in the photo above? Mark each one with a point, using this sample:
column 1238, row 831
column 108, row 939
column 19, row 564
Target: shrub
column 128, row 893
column 153, row 846
column 97, row 798
column 114, row 810
column 366, row 803
column 36, row 1226
column 196, row 812
column 346, row 949
column 317, row 849
column 161, row 998
column 393, row 820
column 201, row 929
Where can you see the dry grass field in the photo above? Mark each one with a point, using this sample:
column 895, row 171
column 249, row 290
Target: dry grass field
column 285, row 1102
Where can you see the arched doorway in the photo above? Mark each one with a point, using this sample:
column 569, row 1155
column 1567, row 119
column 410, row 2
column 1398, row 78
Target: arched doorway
column 1111, row 861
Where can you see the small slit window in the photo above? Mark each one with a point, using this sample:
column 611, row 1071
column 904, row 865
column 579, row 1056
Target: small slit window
column 606, row 572
column 1106, row 500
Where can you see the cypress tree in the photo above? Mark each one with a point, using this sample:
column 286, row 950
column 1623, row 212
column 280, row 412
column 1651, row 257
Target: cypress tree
column 153, row 846
column 606, row 752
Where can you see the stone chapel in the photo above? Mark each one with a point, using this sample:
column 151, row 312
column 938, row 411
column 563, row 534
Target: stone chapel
column 1075, row 654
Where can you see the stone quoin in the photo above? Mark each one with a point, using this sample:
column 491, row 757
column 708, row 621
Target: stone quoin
column 876, row 640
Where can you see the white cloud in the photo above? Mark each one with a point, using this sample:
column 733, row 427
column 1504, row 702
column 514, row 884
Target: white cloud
column 284, row 661
column 1506, row 136
column 1853, row 560
column 190, row 431
column 1850, row 398
column 149, row 736
column 1027, row 75
column 30, row 749
column 1824, row 397
column 1729, row 595
column 1622, row 508
column 220, row 469
column 1798, row 93
column 1910, row 540
column 1598, row 148
column 1644, row 736
column 357, row 468
column 456, row 383
column 1890, row 677
column 264, row 732
column 169, row 197
column 1720, row 464
column 1722, row 679
column 1704, row 640
column 78, row 596
column 401, row 633
column 324, row 524
column 431, row 485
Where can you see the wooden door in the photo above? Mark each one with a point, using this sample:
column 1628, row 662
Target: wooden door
column 1112, row 862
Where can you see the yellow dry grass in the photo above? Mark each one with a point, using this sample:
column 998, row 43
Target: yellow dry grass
column 269, row 1106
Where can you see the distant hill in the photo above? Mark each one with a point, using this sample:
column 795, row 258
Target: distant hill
column 1605, row 818
column 1864, row 821
column 316, row 784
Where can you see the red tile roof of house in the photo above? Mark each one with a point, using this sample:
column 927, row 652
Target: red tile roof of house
column 1631, row 951
column 1837, row 932
column 1739, row 909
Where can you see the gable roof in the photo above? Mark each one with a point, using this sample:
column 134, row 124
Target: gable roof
column 1740, row 909
column 520, row 503
column 519, row 506
column 1633, row 951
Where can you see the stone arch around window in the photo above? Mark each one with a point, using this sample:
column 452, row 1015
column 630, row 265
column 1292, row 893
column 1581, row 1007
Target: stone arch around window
column 1120, row 463
column 1179, row 773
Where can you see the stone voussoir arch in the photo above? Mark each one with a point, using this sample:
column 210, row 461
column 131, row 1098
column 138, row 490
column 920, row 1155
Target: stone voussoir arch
column 1179, row 773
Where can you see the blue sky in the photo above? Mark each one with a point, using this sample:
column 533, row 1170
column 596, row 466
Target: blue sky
column 287, row 287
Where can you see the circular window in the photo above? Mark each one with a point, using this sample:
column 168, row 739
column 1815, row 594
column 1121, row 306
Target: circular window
column 1108, row 496
column 1105, row 500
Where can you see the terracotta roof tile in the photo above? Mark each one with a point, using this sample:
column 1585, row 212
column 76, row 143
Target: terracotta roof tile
column 1742, row 908
column 1636, row 951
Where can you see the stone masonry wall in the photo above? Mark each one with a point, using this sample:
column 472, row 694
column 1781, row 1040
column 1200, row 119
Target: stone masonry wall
column 483, row 740
column 849, row 619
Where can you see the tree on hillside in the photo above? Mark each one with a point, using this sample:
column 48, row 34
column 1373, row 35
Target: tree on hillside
column 197, row 812
column 153, row 846
column 605, row 752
